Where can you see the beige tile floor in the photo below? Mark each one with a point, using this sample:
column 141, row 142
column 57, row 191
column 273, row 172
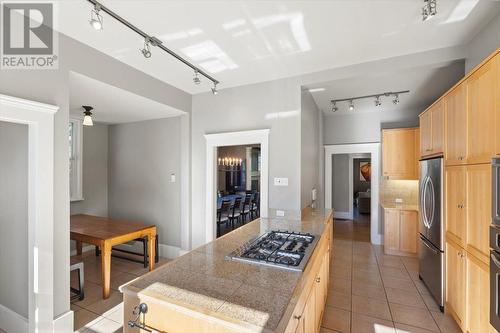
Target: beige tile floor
column 93, row 314
column 371, row 292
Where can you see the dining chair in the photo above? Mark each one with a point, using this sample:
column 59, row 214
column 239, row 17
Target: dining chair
column 223, row 214
column 255, row 206
column 236, row 211
column 247, row 206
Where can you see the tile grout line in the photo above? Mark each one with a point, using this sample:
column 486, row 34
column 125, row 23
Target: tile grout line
column 385, row 291
column 421, row 296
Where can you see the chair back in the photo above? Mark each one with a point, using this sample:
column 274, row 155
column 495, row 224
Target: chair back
column 256, row 198
column 225, row 208
column 248, row 199
column 237, row 205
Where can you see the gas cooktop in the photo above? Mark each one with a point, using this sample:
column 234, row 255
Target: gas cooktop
column 282, row 249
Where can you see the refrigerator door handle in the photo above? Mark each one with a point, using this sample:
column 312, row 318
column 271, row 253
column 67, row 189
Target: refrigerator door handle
column 428, row 246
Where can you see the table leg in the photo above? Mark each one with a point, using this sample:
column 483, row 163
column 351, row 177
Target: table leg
column 151, row 248
column 79, row 247
column 106, row 268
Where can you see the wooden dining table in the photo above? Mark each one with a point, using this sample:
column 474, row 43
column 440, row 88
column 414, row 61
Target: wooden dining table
column 105, row 233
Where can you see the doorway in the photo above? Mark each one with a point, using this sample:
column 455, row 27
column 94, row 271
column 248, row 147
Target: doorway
column 253, row 138
column 339, row 182
column 238, row 186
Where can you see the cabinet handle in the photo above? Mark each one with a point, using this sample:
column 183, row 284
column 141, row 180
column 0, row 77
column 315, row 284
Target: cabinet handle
column 318, row 279
column 297, row 317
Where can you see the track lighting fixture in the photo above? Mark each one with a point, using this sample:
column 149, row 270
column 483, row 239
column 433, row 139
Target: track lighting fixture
column 87, row 115
column 396, row 99
column 334, row 107
column 96, row 19
column 378, row 99
column 146, row 51
column 196, row 79
column 429, row 9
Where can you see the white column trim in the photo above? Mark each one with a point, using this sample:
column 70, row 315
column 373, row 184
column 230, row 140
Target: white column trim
column 374, row 150
column 234, row 139
column 40, row 120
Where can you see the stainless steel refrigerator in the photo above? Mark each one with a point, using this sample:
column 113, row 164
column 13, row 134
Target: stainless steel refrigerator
column 431, row 228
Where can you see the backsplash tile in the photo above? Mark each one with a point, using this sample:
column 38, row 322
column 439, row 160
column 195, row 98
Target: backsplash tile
column 404, row 189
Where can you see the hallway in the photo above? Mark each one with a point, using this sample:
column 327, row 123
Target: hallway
column 371, row 292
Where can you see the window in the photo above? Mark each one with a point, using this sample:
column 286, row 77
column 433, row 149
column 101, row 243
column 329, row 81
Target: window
column 75, row 159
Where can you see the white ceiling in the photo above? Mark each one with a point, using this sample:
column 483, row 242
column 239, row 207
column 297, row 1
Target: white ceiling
column 426, row 84
column 113, row 105
column 242, row 42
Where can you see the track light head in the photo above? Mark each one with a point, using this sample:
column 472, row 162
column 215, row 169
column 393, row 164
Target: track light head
column 196, row 79
column 146, row 51
column 351, row 105
column 334, row 107
column 96, row 20
column 429, row 9
column 214, row 89
column 377, row 101
column 396, row 99
column 87, row 115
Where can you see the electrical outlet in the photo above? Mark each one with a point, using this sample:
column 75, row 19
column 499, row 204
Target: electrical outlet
column 172, row 178
column 280, row 213
column 398, row 200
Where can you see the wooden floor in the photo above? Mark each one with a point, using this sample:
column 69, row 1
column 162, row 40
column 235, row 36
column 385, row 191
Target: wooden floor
column 375, row 293
column 93, row 314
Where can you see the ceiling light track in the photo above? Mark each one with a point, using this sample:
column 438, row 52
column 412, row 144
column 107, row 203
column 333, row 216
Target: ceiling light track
column 153, row 41
column 377, row 97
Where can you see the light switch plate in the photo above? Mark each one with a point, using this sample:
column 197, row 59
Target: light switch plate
column 172, row 178
column 280, row 181
column 280, row 213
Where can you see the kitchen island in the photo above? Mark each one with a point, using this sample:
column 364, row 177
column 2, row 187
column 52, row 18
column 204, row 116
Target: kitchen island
column 202, row 291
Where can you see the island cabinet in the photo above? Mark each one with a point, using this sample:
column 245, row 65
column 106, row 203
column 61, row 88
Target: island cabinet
column 400, row 153
column 400, row 231
column 203, row 292
column 432, row 130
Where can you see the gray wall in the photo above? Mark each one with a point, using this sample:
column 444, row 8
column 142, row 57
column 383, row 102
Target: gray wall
column 357, row 184
column 94, row 172
column 14, row 217
column 274, row 105
column 340, row 182
column 51, row 86
column 483, row 44
column 310, row 149
column 142, row 156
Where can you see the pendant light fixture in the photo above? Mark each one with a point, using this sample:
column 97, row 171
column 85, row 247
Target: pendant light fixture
column 87, row 115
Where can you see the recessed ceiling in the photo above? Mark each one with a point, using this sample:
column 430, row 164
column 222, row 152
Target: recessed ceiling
column 113, row 105
column 426, row 84
column 243, row 42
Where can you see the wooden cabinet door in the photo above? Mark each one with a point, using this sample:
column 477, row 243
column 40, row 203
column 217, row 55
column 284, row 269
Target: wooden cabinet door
column 456, row 126
column 398, row 151
column 480, row 115
column 309, row 314
column 455, row 189
column 408, row 231
column 478, row 296
column 496, row 66
column 455, row 281
column 425, row 133
column 478, row 209
column 437, row 126
column 391, row 229
column 321, row 292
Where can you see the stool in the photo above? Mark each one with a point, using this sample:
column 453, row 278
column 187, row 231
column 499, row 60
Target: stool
column 76, row 263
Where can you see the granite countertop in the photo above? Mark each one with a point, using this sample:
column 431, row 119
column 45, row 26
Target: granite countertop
column 203, row 280
column 394, row 205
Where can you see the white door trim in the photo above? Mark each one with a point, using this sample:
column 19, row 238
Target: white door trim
column 374, row 150
column 233, row 139
column 40, row 120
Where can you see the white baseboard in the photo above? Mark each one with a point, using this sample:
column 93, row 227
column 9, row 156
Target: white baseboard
column 169, row 251
column 377, row 240
column 342, row 215
column 12, row 322
column 86, row 248
column 64, row 323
